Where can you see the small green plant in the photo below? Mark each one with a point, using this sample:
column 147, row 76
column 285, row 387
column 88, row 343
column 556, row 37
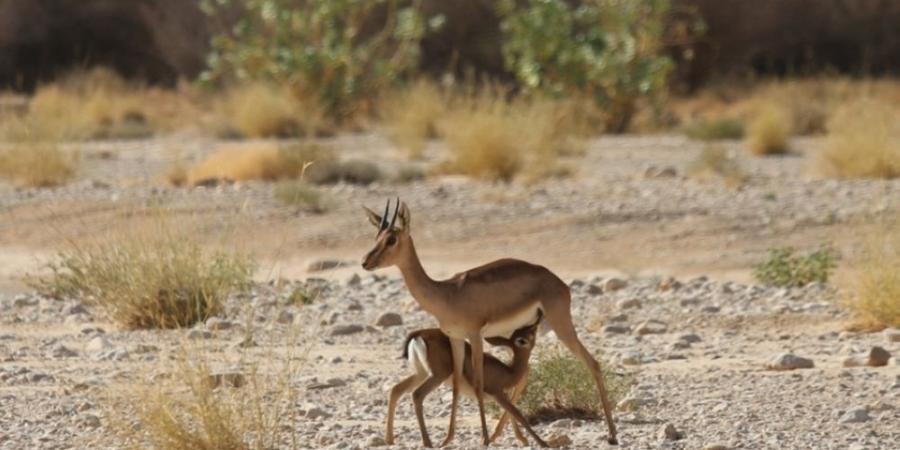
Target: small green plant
column 605, row 49
column 785, row 268
column 301, row 296
column 157, row 281
column 561, row 386
column 715, row 129
column 299, row 194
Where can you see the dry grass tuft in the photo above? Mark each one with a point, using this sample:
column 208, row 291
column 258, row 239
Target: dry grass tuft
column 493, row 138
column 301, row 195
column 715, row 129
column 863, row 141
column 37, row 163
column 189, row 409
column 261, row 110
column 411, row 116
column 715, row 162
column 159, row 279
column 267, row 161
column 560, row 386
column 874, row 291
column 769, row 131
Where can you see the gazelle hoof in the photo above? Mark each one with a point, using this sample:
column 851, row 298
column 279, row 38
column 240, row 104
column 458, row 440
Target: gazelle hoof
column 612, row 440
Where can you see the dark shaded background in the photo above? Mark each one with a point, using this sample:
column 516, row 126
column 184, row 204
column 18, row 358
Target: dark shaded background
column 161, row 41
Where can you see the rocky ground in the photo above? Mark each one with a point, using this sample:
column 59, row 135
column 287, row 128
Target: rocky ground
column 708, row 351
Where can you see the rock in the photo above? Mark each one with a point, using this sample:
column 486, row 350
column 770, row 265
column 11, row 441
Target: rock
column 61, row 351
column 389, row 319
column 77, row 308
column 689, row 301
column 375, row 441
column 98, row 344
column 629, row 303
column 217, row 324
column 660, row 172
column 330, row 383
column 633, row 403
column 892, row 334
column 316, row 412
column 594, row 289
column 716, row 447
column 117, row 354
column 669, row 284
column 854, row 361
column 690, row 338
column 325, row 264
column 559, row 440
column 346, row 329
column 619, row 318
column 789, row 361
column 613, row 284
column 669, row 433
column 878, row 357
column 90, row 421
column 651, row 327
column 23, row 301
column 616, row 329
column 856, row 415
column 227, row 379
column 631, row 358
column 354, row 281
column 197, row 333
column 285, row 317
column 711, row 309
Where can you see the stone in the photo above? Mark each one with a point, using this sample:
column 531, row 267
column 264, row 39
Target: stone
column 559, row 440
column 217, row 324
column 316, row 412
column 98, row 344
column 692, row 301
column 616, row 329
column 716, row 447
column 90, row 421
column 354, row 281
column 197, row 333
column 660, row 172
column 77, row 308
column 613, row 284
column 285, row 317
column 878, row 357
column 346, row 329
column 61, row 351
column 651, row 327
column 669, row 433
column 631, row 358
column 711, row 309
column 594, row 289
column 854, row 361
column 892, row 335
column 690, row 338
column 375, row 441
column 631, row 303
column 856, row 415
column 669, row 284
column 789, row 361
column 389, row 319
column 227, row 379
column 633, row 403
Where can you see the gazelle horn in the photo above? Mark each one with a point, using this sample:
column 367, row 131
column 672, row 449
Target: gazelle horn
column 396, row 210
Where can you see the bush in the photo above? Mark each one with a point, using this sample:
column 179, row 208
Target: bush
column 863, row 141
column 769, row 131
column 411, row 116
column 784, row 268
column 605, row 49
column 715, row 129
column 343, row 50
column 874, row 291
column 716, row 162
column 267, row 162
column 37, row 163
column 156, row 281
column 196, row 408
column 260, row 110
column 561, row 386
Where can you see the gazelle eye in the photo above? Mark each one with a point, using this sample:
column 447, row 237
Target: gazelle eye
column 522, row 342
column 391, row 240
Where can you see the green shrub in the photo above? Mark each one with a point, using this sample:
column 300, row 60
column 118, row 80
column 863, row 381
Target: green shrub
column 561, row 386
column 715, row 129
column 784, row 268
column 339, row 49
column 607, row 49
column 159, row 281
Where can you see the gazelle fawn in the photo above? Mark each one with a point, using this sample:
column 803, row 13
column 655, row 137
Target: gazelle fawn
column 488, row 301
column 430, row 354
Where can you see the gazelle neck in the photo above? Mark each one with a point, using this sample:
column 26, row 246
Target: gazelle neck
column 519, row 362
column 422, row 287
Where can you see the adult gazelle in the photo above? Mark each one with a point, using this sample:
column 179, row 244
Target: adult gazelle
column 490, row 300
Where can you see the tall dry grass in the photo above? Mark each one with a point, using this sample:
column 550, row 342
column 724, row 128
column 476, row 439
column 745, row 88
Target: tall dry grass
column 411, row 115
column 160, row 278
column 35, row 162
column 769, row 131
column 260, row 110
column 492, row 137
column 196, row 408
column 863, row 140
column 873, row 290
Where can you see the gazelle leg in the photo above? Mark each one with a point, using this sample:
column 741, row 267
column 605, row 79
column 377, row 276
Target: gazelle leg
column 418, row 397
column 478, row 385
column 559, row 317
column 458, row 348
column 501, row 425
column 398, row 391
column 507, row 406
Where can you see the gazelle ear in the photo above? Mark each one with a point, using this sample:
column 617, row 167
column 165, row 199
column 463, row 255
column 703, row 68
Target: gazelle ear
column 404, row 217
column 374, row 218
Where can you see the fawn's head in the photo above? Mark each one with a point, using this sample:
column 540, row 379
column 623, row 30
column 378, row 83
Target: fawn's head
column 522, row 340
column 391, row 241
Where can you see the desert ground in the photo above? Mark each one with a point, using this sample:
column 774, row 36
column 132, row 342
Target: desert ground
column 687, row 324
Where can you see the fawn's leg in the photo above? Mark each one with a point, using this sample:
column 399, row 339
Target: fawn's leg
column 418, row 397
column 398, row 391
column 507, row 406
